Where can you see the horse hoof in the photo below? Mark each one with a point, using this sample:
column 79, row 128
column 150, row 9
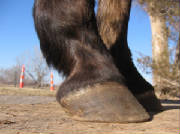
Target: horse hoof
column 105, row 102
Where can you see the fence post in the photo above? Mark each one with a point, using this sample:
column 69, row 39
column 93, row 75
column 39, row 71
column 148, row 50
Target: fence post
column 21, row 84
column 51, row 83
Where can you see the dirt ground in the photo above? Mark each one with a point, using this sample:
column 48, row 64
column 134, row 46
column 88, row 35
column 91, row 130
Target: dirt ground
column 43, row 115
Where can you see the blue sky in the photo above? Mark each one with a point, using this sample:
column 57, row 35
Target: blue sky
column 17, row 33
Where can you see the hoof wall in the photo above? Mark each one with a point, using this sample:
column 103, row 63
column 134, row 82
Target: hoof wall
column 106, row 102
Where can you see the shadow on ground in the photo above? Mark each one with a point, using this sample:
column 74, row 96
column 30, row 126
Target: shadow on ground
column 170, row 104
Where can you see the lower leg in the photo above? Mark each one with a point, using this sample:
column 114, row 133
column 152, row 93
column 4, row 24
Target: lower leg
column 113, row 17
column 94, row 90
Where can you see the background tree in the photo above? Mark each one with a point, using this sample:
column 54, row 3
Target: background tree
column 164, row 17
column 177, row 57
column 36, row 68
column 10, row 75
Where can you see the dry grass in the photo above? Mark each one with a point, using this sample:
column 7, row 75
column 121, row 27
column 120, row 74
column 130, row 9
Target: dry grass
column 10, row 90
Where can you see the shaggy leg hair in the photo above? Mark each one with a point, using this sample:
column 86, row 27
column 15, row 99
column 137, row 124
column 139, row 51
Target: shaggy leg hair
column 113, row 17
column 70, row 42
column 94, row 89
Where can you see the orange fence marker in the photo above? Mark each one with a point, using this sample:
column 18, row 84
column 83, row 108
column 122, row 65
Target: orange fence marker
column 21, row 84
column 52, row 83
